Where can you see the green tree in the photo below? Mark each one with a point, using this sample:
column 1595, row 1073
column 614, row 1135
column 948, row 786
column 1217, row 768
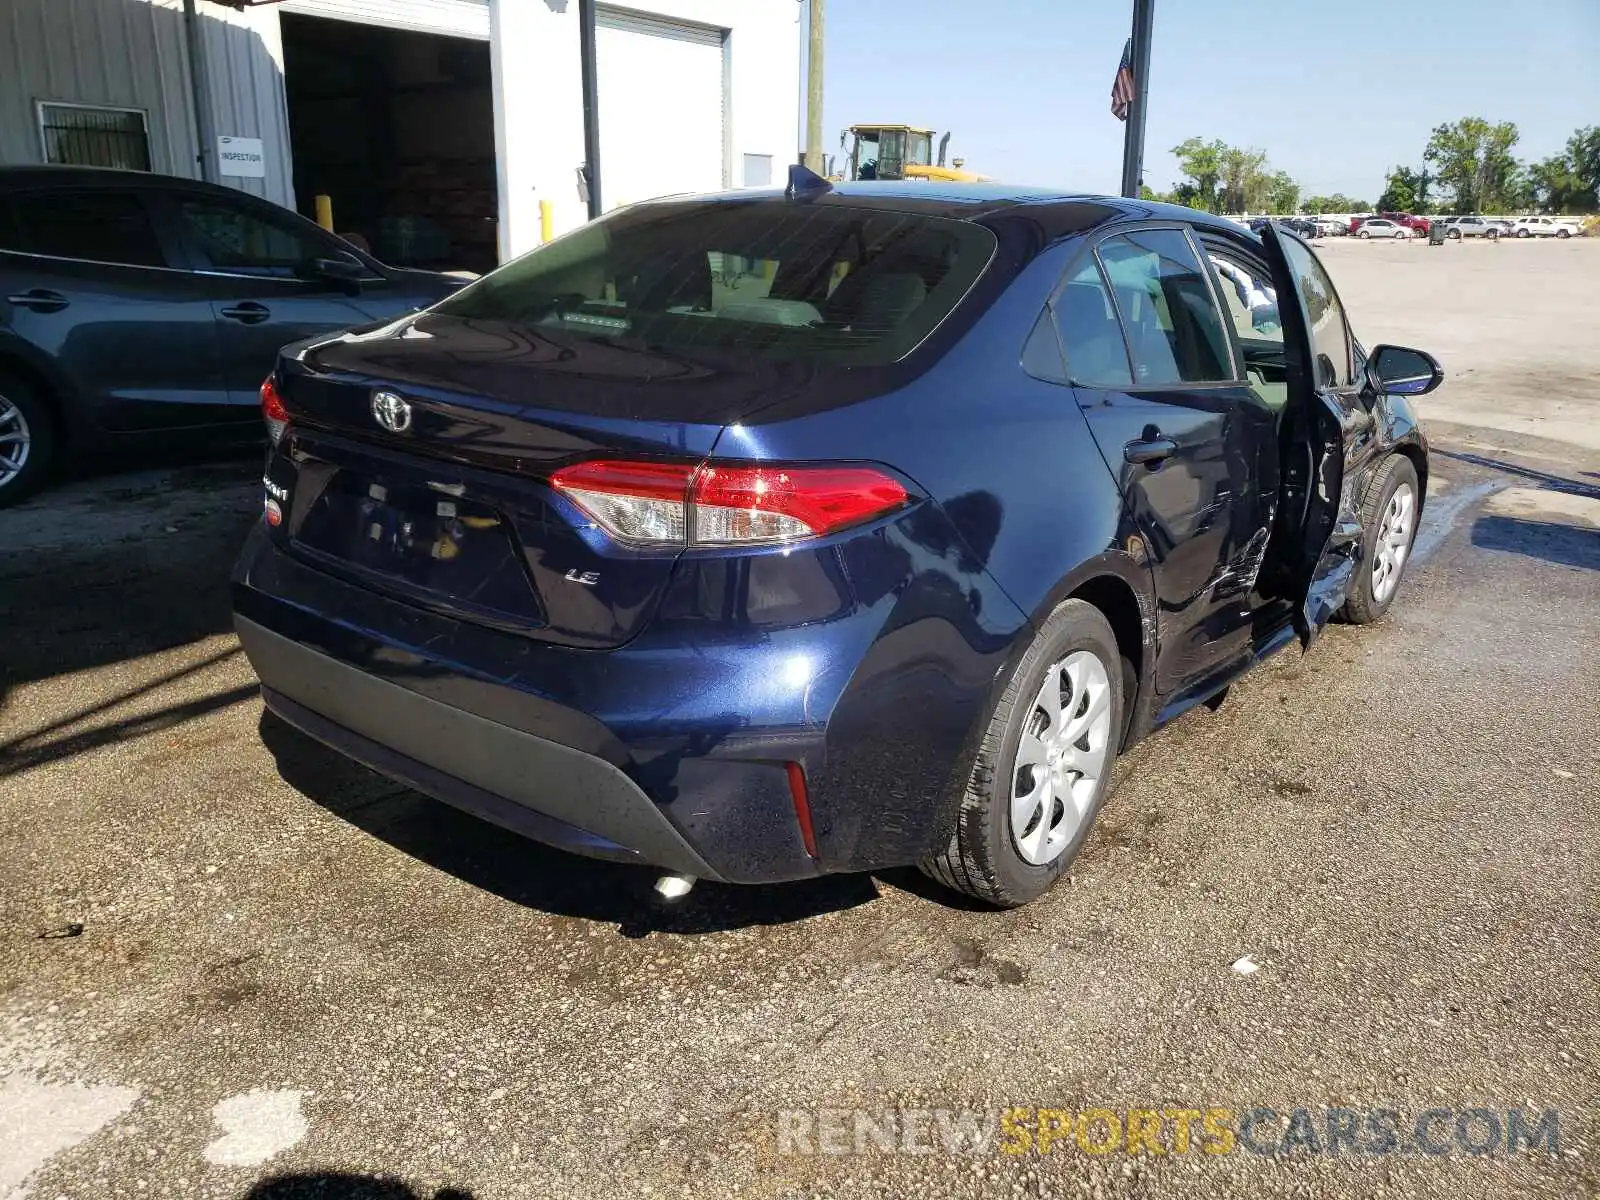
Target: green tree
column 1336, row 203
column 1568, row 182
column 1400, row 191
column 1583, row 148
column 1245, row 181
column 1283, row 193
column 1201, row 163
column 1473, row 160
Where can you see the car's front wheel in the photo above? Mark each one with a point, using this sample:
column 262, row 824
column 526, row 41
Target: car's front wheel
column 1044, row 765
column 27, row 440
column 1389, row 526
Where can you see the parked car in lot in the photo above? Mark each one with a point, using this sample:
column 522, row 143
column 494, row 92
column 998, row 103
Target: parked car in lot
column 1332, row 226
column 1468, row 227
column 1381, row 227
column 759, row 536
column 139, row 308
column 1526, row 227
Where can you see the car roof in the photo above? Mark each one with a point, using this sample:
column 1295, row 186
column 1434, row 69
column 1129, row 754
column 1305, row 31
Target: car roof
column 974, row 201
column 28, row 178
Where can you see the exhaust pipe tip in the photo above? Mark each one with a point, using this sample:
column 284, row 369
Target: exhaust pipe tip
column 674, row 886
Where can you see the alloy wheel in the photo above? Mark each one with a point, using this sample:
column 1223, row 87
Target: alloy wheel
column 16, row 441
column 1064, row 751
column 1394, row 542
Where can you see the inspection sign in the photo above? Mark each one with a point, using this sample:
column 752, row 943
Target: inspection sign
column 242, row 157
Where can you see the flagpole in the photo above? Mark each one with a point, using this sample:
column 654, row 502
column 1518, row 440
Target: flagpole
column 1133, row 132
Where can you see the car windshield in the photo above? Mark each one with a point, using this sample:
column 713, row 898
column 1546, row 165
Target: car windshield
column 854, row 287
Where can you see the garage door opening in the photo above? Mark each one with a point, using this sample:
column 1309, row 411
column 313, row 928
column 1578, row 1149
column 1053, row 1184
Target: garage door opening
column 397, row 127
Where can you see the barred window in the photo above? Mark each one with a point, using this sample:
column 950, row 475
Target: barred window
column 85, row 136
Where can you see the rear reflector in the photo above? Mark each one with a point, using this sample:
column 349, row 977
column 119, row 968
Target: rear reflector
column 273, row 411
column 802, row 805
column 726, row 505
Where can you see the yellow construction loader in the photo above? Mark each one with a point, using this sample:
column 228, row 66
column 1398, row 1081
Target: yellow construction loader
column 898, row 152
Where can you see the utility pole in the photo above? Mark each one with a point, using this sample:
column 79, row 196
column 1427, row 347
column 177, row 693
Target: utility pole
column 200, row 95
column 814, row 157
column 1133, row 132
column 591, row 106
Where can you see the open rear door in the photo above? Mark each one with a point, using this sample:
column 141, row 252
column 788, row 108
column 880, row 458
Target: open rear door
column 1317, row 538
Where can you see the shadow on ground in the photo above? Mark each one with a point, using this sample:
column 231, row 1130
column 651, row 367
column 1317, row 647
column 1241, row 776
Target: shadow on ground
column 1564, row 545
column 321, row 1185
column 533, row 875
column 122, row 567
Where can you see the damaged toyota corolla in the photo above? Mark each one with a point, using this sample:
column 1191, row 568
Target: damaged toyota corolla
column 763, row 535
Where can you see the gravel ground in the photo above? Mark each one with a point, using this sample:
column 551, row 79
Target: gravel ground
column 233, row 965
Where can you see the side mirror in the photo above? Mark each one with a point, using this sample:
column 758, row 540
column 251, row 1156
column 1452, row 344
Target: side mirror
column 1401, row 371
column 345, row 273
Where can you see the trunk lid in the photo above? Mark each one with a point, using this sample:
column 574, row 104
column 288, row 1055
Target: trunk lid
column 453, row 512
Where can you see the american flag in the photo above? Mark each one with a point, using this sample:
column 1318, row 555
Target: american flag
column 1122, row 86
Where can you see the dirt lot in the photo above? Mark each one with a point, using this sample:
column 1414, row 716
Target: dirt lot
column 231, row 964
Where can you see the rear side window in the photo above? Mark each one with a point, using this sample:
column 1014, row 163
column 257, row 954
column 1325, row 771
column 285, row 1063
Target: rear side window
column 1175, row 332
column 854, row 287
column 1091, row 339
column 109, row 227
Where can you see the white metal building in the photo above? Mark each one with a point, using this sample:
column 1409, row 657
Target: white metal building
column 430, row 123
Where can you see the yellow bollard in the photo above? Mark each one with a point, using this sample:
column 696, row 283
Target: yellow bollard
column 547, row 221
column 325, row 212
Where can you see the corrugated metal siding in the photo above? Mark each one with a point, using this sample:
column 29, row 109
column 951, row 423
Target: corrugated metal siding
column 132, row 54
column 244, row 69
column 463, row 18
column 113, row 52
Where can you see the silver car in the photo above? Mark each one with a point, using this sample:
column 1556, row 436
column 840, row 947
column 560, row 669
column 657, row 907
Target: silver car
column 1465, row 227
column 1378, row 227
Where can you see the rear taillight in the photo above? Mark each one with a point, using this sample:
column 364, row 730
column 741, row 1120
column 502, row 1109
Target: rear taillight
column 726, row 504
column 272, row 410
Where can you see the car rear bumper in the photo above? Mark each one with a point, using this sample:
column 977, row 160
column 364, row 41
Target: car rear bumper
column 530, row 785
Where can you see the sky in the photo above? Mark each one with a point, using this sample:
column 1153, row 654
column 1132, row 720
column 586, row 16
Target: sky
column 1336, row 91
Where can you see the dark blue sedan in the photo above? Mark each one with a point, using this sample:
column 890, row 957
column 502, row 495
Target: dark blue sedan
column 764, row 535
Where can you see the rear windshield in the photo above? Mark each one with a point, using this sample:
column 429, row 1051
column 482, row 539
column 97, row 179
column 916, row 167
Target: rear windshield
column 855, row 287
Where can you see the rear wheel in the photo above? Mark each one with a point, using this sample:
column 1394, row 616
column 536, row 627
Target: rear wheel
column 1563, row 233
column 27, row 440
column 1389, row 526
column 1044, row 766
column 1453, row 233
column 1522, row 233
column 1364, row 233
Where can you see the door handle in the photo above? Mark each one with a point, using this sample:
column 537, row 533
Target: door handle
column 39, row 300
column 1150, row 450
column 247, row 313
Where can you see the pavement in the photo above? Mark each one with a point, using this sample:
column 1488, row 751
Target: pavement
column 234, row 965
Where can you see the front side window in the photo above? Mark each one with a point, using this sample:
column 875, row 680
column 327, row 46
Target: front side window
column 1174, row 330
column 98, row 226
column 852, row 287
column 1330, row 335
column 233, row 238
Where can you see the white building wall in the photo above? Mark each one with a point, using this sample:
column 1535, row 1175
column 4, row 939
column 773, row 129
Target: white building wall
column 539, row 99
column 132, row 53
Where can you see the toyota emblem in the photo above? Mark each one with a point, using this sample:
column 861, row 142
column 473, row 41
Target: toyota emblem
column 391, row 411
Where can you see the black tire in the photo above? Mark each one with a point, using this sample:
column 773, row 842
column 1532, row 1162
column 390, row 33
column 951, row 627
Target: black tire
column 982, row 859
column 1523, row 233
column 38, row 423
column 1362, row 606
column 1453, row 233
column 1563, row 233
column 1363, row 233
